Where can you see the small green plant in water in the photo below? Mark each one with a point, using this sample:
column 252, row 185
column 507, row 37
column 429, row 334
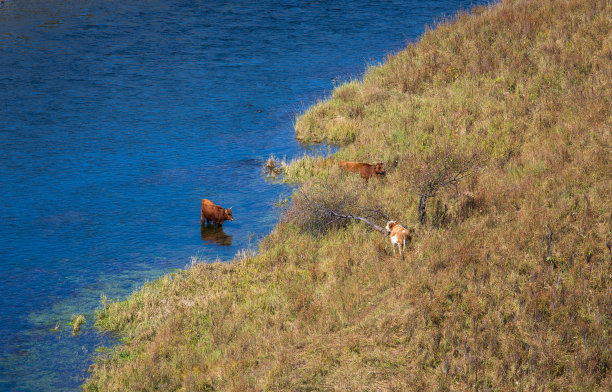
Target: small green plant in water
column 76, row 322
column 273, row 166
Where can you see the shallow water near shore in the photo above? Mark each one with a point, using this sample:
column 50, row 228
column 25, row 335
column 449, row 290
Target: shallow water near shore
column 118, row 117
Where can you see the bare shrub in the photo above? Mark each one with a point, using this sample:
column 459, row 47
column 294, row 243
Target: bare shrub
column 322, row 205
column 443, row 167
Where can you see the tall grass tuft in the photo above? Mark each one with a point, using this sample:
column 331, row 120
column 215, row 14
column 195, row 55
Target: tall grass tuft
column 76, row 321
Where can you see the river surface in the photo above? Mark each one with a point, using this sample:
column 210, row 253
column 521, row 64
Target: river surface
column 118, row 117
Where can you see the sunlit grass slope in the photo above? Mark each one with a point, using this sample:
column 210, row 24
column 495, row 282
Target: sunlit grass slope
column 508, row 283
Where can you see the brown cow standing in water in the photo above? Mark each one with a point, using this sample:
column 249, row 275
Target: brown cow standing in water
column 364, row 169
column 214, row 213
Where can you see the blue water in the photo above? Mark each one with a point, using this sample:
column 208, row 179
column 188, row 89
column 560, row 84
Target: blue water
column 118, row 117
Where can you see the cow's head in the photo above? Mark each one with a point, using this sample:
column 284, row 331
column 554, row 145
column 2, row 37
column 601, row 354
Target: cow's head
column 379, row 169
column 390, row 225
column 227, row 214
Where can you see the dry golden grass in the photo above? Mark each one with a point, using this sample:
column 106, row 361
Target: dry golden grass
column 508, row 289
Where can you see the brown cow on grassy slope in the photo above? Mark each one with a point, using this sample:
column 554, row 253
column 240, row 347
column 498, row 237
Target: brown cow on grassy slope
column 214, row 213
column 364, row 169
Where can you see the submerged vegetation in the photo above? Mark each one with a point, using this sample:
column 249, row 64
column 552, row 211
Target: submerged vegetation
column 502, row 118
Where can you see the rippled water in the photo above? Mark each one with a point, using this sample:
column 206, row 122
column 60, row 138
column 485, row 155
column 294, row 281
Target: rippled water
column 118, row 117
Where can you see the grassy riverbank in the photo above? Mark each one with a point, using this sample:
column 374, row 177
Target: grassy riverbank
column 507, row 285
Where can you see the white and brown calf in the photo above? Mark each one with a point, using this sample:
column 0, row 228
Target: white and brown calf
column 398, row 235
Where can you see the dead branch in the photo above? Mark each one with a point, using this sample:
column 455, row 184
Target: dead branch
column 355, row 217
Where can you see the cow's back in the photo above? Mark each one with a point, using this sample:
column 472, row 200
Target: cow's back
column 401, row 233
column 352, row 166
column 210, row 210
column 206, row 202
column 365, row 170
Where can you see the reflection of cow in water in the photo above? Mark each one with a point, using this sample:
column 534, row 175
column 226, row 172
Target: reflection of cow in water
column 212, row 233
column 214, row 213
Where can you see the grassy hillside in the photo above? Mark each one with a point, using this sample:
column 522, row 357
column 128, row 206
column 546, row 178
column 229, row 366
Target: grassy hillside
column 507, row 284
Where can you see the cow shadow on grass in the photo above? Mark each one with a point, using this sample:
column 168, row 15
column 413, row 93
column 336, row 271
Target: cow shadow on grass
column 214, row 234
